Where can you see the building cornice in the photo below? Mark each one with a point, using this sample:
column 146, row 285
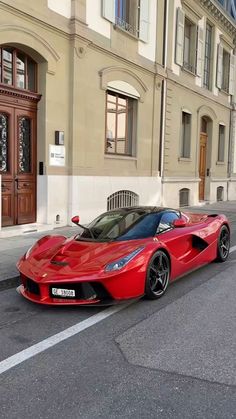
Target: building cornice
column 226, row 22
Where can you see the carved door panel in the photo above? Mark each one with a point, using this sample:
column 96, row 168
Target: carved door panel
column 18, row 165
column 202, row 165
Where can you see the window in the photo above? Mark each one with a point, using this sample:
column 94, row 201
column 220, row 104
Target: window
column 190, row 46
column 186, row 135
column 184, row 197
column 120, row 124
column 17, row 69
column 221, row 143
column 166, row 221
column 225, row 76
column 122, row 199
column 207, row 58
column 226, row 70
column 220, row 193
column 127, row 15
column 130, row 15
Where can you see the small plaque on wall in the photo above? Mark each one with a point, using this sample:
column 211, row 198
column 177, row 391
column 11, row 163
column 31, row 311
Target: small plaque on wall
column 57, row 155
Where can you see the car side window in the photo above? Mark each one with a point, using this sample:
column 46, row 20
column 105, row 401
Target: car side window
column 166, row 221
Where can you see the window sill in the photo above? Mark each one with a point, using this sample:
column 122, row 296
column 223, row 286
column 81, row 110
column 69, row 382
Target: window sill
column 126, row 32
column 185, row 159
column 119, row 157
column 191, row 73
column 225, row 92
column 220, row 163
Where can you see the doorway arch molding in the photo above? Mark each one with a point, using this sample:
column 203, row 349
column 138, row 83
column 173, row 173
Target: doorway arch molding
column 30, row 42
column 207, row 112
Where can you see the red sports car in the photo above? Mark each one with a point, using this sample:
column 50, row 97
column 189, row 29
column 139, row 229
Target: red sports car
column 123, row 254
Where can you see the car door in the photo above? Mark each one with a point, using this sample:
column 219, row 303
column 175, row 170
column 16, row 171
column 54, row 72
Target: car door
column 179, row 242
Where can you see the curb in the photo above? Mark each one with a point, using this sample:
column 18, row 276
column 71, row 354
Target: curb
column 5, row 284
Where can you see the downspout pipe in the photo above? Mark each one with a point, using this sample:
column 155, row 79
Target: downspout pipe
column 163, row 97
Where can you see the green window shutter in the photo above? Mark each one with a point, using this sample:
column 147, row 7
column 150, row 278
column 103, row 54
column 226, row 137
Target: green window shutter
column 144, row 20
column 219, row 74
column 179, row 44
column 108, row 10
column 200, row 52
column 232, row 75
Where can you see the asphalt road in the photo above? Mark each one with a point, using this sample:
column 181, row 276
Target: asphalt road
column 171, row 358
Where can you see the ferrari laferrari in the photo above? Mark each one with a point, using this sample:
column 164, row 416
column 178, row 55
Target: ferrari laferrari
column 123, row 254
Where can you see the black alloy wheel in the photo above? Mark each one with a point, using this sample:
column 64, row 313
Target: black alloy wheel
column 158, row 275
column 223, row 244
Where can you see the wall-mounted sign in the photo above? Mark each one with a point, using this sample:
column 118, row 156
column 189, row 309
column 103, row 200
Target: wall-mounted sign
column 57, row 154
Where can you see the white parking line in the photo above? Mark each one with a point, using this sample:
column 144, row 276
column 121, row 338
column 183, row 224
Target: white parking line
column 28, row 353
column 232, row 249
column 22, row 356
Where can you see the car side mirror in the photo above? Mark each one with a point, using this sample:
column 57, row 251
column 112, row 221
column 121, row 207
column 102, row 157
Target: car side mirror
column 75, row 219
column 179, row 222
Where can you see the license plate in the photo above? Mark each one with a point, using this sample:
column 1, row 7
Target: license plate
column 61, row 292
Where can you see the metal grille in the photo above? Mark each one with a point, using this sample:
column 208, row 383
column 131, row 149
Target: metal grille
column 122, row 199
column 184, row 197
column 219, row 193
column 3, row 143
column 24, row 145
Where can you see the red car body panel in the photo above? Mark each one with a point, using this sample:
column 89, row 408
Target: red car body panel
column 57, row 261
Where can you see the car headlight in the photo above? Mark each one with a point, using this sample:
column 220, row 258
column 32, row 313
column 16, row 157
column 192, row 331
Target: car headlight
column 120, row 263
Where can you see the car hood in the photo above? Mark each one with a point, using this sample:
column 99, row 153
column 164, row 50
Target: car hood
column 78, row 257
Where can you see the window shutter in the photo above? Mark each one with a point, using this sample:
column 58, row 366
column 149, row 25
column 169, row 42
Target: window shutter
column 179, row 46
column 108, row 10
column 232, row 75
column 200, row 52
column 219, row 75
column 144, row 20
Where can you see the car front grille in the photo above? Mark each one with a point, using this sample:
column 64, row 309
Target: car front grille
column 32, row 287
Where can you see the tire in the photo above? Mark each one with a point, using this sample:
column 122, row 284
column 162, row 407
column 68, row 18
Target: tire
column 223, row 244
column 158, row 275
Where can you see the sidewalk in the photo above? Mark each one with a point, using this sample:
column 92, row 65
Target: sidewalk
column 12, row 248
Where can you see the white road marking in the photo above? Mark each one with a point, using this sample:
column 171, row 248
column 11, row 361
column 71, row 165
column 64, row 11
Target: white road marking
column 232, row 249
column 22, row 356
column 42, row 346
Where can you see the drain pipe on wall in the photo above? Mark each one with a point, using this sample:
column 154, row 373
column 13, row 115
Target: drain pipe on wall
column 163, row 99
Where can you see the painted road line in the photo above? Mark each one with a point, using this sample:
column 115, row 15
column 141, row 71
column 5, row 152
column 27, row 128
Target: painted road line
column 42, row 346
column 45, row 344
column 232, row 249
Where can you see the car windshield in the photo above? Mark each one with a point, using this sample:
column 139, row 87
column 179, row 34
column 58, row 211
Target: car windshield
column 122, row 225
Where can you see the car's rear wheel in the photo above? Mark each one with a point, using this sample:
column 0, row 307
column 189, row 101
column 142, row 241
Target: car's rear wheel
column 223, row 244
column 158, row 275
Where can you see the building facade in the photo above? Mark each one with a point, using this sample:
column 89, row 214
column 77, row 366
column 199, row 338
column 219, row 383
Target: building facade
column 200, row 86
column 80, row 99
column 114, row 102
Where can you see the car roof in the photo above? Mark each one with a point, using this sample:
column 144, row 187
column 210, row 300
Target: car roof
column 146, row 209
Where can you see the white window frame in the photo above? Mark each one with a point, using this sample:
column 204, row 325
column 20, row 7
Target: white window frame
column 108, row 12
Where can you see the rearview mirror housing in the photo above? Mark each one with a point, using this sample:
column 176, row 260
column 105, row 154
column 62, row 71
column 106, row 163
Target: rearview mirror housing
column 75, row 219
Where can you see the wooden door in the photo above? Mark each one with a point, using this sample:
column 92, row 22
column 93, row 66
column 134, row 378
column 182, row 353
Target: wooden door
column 202, row 165
column 18, row 165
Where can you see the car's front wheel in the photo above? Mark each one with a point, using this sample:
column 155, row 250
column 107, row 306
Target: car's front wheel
column 158, row 275
column 223, row 245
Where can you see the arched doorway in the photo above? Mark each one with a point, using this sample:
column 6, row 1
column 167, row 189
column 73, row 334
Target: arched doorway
column 18, row 117
column 203, row 157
